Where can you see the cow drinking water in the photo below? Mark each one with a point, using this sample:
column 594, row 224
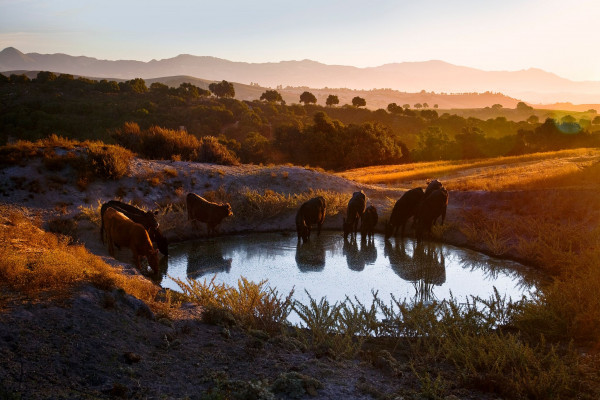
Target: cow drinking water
column 123, row 232
column 356, row 208
column 404, row 208
column 310, row 212
column 146, row 218
column 369, row 221
column 432, row 207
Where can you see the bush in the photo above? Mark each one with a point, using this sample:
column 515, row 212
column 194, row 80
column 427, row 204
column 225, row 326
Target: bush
column 107, row 162
column 167, row 144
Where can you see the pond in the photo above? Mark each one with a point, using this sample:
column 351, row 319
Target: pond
column 330, row 267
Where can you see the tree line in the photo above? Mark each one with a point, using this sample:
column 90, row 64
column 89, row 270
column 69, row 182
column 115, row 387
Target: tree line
column 266, row 129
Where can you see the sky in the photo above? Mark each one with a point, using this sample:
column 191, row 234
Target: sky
column 506, row 35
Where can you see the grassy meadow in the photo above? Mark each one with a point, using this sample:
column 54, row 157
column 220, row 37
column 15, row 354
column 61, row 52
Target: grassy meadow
column 532, row 171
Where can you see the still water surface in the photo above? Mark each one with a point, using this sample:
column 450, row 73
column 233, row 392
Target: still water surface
column 330, row 267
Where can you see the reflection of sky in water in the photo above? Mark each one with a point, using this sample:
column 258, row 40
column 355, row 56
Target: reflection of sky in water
column 329, row 267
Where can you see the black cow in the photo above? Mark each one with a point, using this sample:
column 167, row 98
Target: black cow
column 146, row 218
column 432, row 207
column 200, row 209
column 369, row 221
column 405, row 207
column 310, row 212
column 356, row 208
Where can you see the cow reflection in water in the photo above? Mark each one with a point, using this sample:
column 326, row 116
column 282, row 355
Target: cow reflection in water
column 425, row 268
column 310, row 256
column 208, row 260
column 354, row 258
column 358, row 258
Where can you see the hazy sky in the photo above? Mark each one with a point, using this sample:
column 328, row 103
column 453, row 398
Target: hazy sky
column 557, row 36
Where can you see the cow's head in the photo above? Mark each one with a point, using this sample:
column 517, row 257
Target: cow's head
column 304, row 233
column 161, row 241
column 150, row 217
column 227, row 209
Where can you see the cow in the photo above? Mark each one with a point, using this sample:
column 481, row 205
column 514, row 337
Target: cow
column 310, row 212
column 356, row 208
column 433, row 185
column 405, row 207
column 369, row 221
column 146, row 218
column 123, row 232
column 432, row 207
column 201, row 210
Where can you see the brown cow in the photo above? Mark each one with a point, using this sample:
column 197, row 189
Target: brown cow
column 202, row 210
column 310, row 212
column 123, row 232
column 146, row 218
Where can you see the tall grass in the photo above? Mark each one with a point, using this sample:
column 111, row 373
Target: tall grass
column 254, row 305
column 35, row 262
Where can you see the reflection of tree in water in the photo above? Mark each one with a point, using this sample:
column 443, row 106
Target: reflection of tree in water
column 207, row 260
column 354, row 257
column 425, row 269
column 310, row 256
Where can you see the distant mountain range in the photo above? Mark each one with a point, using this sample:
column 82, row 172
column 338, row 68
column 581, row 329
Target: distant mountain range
column 531, row 85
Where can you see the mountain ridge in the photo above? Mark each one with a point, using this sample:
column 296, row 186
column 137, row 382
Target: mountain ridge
column 531, row 85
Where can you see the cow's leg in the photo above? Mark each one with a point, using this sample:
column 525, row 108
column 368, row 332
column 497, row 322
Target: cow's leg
column 137, row 260
column 111, row 248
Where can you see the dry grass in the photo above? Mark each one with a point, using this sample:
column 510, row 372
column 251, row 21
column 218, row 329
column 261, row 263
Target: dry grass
column 502, row 173
column 561, row 238
column 89, row 159
column 35, row 262
column 253, row 305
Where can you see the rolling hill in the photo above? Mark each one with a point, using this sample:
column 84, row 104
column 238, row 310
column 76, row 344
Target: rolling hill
column 531, row 85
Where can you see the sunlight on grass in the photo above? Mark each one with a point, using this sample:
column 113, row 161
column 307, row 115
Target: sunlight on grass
column 33, row 262
column 560, row 168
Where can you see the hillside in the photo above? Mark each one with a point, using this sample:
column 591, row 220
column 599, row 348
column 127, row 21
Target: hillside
column 532, row 85
column 95, row 340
